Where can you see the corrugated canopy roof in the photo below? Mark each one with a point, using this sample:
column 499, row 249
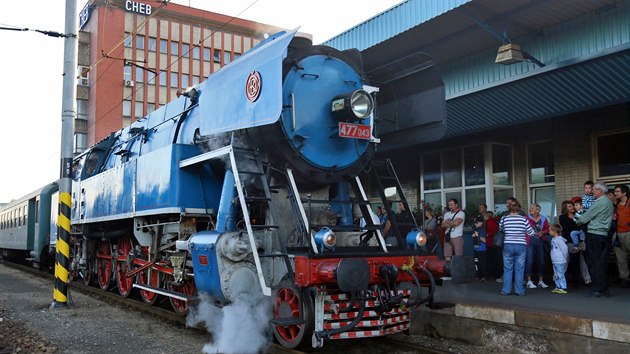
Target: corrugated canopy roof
column 559, row 90
column 458, row 33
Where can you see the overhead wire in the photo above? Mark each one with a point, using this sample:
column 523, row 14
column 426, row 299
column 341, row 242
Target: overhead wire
column 45, row 32
column 173, row 62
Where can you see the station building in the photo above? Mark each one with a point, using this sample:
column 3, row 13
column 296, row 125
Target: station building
column 537, row 97
column 135, row 55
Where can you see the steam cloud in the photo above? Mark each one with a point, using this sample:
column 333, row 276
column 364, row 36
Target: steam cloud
column 241, row 327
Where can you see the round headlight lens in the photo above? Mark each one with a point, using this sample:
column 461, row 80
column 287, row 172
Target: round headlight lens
column 330, row 240
column 361, row 103
column 416, row 237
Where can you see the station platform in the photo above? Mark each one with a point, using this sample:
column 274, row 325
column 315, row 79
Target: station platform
column 574, row 322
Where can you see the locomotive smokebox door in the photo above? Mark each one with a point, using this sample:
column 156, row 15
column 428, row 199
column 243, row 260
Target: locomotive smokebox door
column 462, row 269
column 353, row 275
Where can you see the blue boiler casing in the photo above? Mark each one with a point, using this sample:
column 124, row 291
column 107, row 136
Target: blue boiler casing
column 148, row 184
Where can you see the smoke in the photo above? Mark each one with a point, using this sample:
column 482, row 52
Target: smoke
column 241, row 327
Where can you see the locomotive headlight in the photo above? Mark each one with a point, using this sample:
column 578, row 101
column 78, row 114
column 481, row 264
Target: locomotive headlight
column 325, row 238
column 361, row 103
column 352, row 106
column 416, row 238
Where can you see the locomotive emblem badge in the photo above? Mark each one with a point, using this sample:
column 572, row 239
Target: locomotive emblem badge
column 253, row 86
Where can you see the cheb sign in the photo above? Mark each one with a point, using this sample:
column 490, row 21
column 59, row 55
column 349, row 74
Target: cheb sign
column 138, row 7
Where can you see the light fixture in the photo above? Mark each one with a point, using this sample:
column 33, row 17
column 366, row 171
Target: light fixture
column 509, row 54
column 512, row 53
column 352, row 106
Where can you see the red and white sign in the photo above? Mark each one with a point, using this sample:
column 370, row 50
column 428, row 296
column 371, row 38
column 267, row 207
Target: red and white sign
column 358, row 131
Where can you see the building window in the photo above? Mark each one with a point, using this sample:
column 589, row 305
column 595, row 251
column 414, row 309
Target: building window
column 184, row 80
column 452, row 168
column 217, row 56
column 80, row 142
column 502, row 165
column 227, row 57
column 163, row 46
column 150, row 78
column 237, row 55
column 82, row 109
column 84, row 75
column 461, row 174
column 174, row 48
column 139, row 74
column 139, row 42
column 185, row 50
column 150, row 107
column 500, row 196
column 127, row 41
column 432, row 175
column 127, row 72
column 195, row 52
column 152, row 43
column 162, row 78
column 206, row 54
column 613, row 156
column 138, row 110
column 174, row 81
column 195, row 80
column 540, row 162
column 126, row 108
column 474, row 168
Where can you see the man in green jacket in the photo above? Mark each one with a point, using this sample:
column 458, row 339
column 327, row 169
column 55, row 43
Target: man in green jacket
column 599, row 217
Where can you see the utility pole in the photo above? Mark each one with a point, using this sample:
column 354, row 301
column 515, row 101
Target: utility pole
column 68, row 114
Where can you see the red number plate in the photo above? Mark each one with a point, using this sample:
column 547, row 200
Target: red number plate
column 358, row 131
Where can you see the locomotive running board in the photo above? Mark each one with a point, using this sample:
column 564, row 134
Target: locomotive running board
column 168, row 293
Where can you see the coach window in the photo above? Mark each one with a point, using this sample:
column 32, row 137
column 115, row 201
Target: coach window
column 612, row 156
column 37, row 211
column 25, row 215
column 19, row 217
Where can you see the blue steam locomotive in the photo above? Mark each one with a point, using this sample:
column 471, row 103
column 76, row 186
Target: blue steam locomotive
column 249, row 184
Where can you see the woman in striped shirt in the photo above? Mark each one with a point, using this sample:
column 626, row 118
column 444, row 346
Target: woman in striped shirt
column 515, row 227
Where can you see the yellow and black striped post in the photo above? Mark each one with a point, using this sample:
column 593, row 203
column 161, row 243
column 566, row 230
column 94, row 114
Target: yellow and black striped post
column 68, row 115
column 62, row 258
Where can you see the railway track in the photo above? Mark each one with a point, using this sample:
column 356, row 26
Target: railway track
column 129, row 303
column 389, row 344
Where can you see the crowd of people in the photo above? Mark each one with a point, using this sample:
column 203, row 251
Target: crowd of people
column 577, row 247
